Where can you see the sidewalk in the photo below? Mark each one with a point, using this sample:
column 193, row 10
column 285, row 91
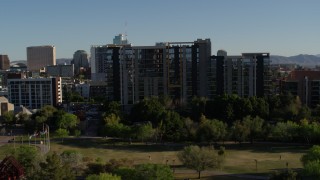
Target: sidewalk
column 4, row 140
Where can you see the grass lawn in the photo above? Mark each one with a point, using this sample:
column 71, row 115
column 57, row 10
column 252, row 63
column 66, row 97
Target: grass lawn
column 240, row 159
column 106, row 150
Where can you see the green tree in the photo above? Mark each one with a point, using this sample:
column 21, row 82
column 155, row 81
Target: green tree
column 167, row 102
column 240, row 132
column 149, row 109
column 127, row 173
column 254, row 125
column 275, row 105
column 9, row 118
column 23, row 118
column 113, row 127
column 311, row 162
column 260, row 107
column 54, row 169
column 211, row 130
column 74, row 159
column 144, row 132
column 95, row 168
column 312, row 169
column 62, row 133
column 316, row 111
column 67, row 121
column 293, row 108
column 112, row 107
column 44, row 115
column 287, row 131
column 47, row 110
column 173, row 126
column 103, row 176
column 29, row 157
column 242, row 107
column 284, row 175
column 75, row 97
column 312, row 155
column 198, row 106
column 191, row 127
column 304, row 113
column 199, row 159
column 309, row 131
column 154, row 172
column 115, row 164
column 228, row 113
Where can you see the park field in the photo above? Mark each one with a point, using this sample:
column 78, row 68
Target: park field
column 241, row 160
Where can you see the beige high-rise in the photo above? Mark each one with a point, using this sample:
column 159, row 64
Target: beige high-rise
column 40, row 56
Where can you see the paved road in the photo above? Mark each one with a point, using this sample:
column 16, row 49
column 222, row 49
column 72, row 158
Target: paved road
column 220, row 173
column 4, row 140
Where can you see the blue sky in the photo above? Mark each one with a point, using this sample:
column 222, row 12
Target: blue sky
column 281, row 27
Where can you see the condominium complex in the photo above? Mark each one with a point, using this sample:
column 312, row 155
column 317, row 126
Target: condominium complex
column 105, row 67
column 34, row 93
column 245, row 75
column 180, row 70
column 39, row 57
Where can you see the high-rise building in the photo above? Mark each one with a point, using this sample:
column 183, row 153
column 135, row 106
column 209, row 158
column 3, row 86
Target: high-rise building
column 39, row 57
column 105, row 66
column 246, row 75
column 180, row 70
column 80, row 60
column 34, row 93
column 120, row 40
column 4, row 62
column 257, row 74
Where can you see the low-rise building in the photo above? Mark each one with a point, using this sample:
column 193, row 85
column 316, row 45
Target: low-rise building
column 60, row 70
column 34, row 93
column 305, row 84
column 5, row 106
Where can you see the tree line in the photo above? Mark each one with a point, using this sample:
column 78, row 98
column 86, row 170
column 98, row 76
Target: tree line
column 276, row 118
column 159, row 119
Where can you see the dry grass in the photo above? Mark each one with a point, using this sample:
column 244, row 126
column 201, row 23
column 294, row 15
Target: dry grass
column 240, row 159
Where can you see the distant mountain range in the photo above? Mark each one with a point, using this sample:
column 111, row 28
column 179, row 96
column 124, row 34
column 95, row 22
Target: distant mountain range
column 301, row 59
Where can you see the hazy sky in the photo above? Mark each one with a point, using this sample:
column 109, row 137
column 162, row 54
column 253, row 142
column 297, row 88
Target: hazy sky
column 281, row 27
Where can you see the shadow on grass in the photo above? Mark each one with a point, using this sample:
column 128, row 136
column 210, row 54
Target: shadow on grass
column 115, row 144
column 268, row 147
column 193, row 176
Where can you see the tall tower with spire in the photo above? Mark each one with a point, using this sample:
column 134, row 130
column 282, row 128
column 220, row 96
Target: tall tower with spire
column 121, row 39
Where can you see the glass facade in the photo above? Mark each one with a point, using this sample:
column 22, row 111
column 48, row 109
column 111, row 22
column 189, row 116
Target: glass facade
column 32, row 93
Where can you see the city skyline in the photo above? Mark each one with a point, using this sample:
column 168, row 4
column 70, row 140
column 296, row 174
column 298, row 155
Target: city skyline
column 279, row 27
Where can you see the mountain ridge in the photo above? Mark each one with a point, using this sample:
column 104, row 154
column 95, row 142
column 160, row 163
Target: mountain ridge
column 301, row 59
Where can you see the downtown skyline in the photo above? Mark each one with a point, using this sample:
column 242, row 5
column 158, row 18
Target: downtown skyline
column 279, row 27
